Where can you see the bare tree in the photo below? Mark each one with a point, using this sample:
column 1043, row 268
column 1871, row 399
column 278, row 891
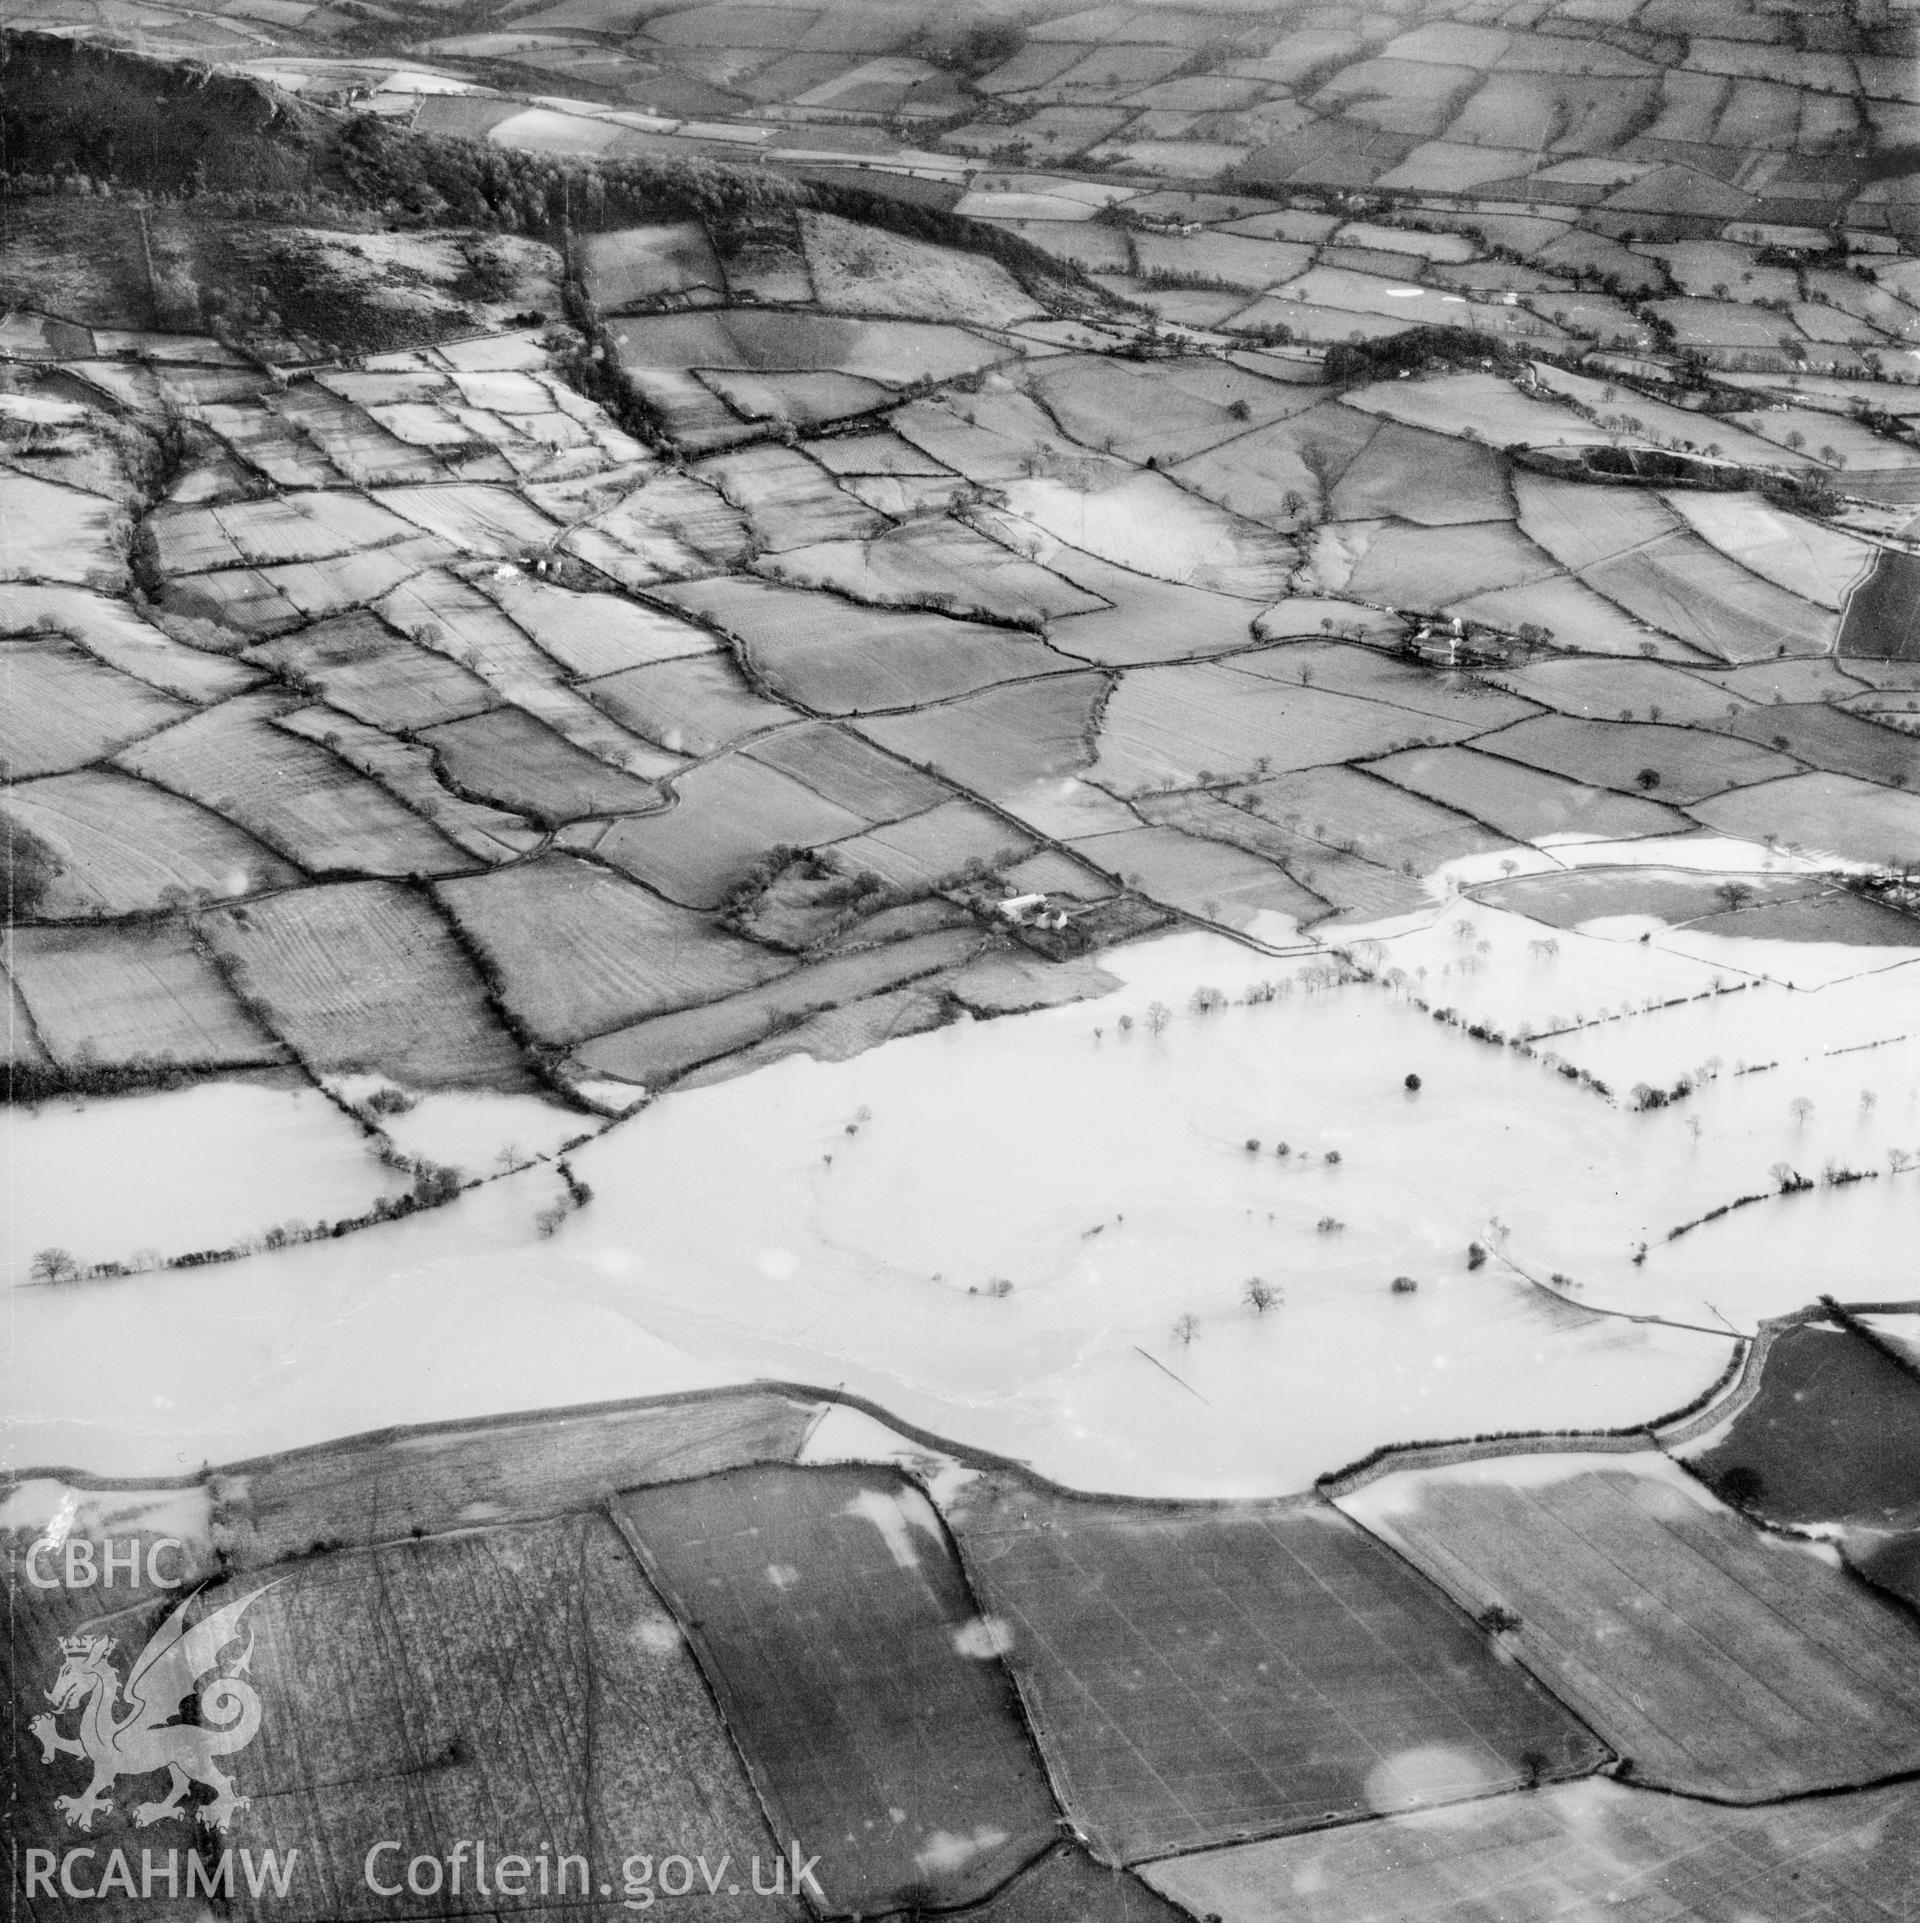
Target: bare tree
column 1260, row 1295
column 1185, row 1328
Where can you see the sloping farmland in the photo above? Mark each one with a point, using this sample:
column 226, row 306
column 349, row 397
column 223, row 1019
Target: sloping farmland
column 1429, row 567
column 364, row 975
column 1151, row 410
column 591, row 634
column 410, row 772
column 671, row 525
column 938, row 564
column 1342, row 668
column 1143, row 520
column 854, row 1670
column 1349, row 811
column 264, row 601
column 1146, row 619
column 110, row 631
column 695, row 705
column 821, row 653
column 838, row 991
column 1824, row 814
column 509, row 757
column 128, row 994
column 361, row 666
column 525, row 1680
column 789, row 500
column 934, row 848
column 1718, row 1661
column 727, row 814
column 1177, row 726
column 60, row 708
column 1199, row 1673
column 293, row 795
column 54, row 533
column 1679, row 764
column 1585, row 1849
column 1576, row 617
column 844, row 768
column 1435, row 479
column 1818, row 563
column 370, row 1489
column 1829, row 738
column 1622, row 691
column 124, row 846
column 1277, row 473
column 1198, row 875
column 1630, row 547
column 1522, row 802
column 286, row 527
column 576, row 951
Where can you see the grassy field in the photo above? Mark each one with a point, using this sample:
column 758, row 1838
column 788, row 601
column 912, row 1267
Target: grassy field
column 511, row 758
column 1677, row 764
column 365, row 975
column 857, row 1675
column 127, row 994
column 1880, row 623
column 1205, row 1674
column 359, row 665
column 1524, row 802
column 123, row 845
column 1717, row 1661
column 1834, row 814
column 1569, row 1851
column 579, row 951
column 1833, row 1435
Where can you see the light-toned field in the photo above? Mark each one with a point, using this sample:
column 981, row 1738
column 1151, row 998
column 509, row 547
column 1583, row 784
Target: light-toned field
column 123, row 994
column 124, row 845
column 1832, row 814
column 816, row 650
column 365, row 975
column 367, row 670
column 62, row 709
column 697, row 704
column 637, row 264
column 578, row 951
column 293, row 795
column 1522, row 802
column 1714, row 1659
column 1573, row 1850
column 111, row 632
column 1176, row 726
column 934, row 848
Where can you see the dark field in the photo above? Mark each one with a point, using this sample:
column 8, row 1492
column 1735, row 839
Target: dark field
column 856, row 1675
column 1201, row 1675
column 1883, row 617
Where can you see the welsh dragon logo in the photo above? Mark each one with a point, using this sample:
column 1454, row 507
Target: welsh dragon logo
column 139, row 1735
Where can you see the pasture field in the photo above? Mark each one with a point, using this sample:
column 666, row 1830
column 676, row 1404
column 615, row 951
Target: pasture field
column 287, row 527
column 1146, row 619
column 515, row 760
column 820, row 653
column 407, row 770
column 696, row 704
column 1141, row 520
column 366, row 1490
column 1433, row 567
column 672, row 525
column 926, row 850
column 1831, row 814
column 1199, row 874
column 866, row 270
column 124, row 846
column 266, row 601
column 1177, row 726
column 1299, row 459
column 364, row 975
column 1680, row 765
column 1692, row 592
column 361, row 666
column 1716, row 1660
column 787, row 499
column 1623, row 691
column 1203, row 1674
column 1567, row 898
column 665, row 1047
column 1424, row 477
column 293, row 795
column 727, row 814
column 1341, row 668
column 941, row 564
column 1004, row 741
column 1575, row 616
column 1526, row 803
column 591, row 634
column 1833, row 1435
column 1346, row 810
column 111, row 632
column 64, row 709
column 54, row 533
column 801, row 401
column 116, row 995
column 866, row 1683
column 1494, row 409
column 489, row 521
column 577, row 951
column 841, row 767
column 889, row 351
column 635, row 265
column 1549, row 1854
column 1881, row 623
column 1829, row 738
